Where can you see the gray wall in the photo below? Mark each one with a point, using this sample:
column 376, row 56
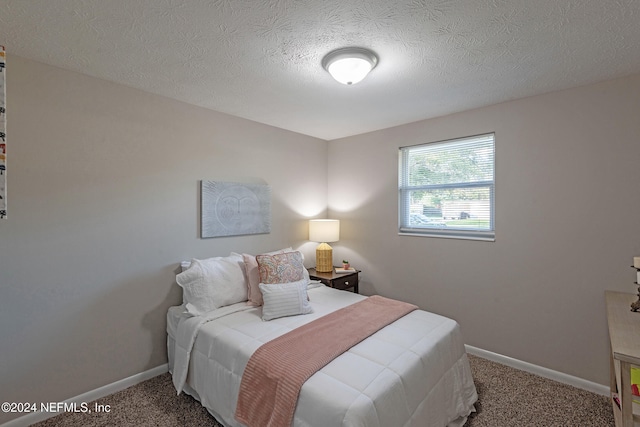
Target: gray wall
column 567, row 224
column 103, row 192
column 103, row 204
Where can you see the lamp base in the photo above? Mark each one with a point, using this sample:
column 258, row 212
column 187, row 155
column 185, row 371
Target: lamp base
column 324, row 258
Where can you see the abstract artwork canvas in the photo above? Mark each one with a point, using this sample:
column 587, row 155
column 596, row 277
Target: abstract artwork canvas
column 3, row 137
column 233, row 209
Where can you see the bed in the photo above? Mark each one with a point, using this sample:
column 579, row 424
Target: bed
column 413, row 372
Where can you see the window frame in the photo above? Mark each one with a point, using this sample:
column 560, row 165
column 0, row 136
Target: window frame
column 404, row 191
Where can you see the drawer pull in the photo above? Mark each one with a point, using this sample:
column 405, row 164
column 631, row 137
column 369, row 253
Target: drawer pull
column 346, row 283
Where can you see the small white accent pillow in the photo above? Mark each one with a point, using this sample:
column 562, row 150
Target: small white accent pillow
column 213, row 283
column 284, row 299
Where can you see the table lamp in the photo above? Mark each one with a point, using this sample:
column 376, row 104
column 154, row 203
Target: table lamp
column 323, row 231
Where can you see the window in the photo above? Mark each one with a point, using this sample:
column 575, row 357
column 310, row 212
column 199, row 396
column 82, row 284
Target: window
column 447, row 188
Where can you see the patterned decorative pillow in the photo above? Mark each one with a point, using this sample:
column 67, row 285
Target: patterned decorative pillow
column 253, row 276
column 280, row 268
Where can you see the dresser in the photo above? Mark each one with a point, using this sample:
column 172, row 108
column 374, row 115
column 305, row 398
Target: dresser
column 624, row 335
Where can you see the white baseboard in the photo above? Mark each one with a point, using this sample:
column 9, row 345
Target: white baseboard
column 539, row 370
column 90, row 396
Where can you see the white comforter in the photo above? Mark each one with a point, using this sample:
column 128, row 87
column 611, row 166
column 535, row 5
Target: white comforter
column 413, row 372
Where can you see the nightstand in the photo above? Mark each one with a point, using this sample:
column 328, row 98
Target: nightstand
column 332, row 279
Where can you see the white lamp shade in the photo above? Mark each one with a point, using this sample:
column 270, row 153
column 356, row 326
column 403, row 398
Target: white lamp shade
column 324, row 230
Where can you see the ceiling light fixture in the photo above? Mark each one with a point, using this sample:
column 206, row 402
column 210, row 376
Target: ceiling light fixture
column 349, row 65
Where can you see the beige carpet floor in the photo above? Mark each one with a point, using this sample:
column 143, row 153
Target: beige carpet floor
column 507, row 398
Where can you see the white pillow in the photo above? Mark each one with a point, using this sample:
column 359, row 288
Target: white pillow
column 284, row 299
column 184, row 265
column 213, row 283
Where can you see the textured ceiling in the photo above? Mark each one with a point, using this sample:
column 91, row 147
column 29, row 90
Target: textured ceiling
column 261, row 59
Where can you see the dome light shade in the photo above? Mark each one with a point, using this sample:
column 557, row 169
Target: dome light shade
column 350, row 65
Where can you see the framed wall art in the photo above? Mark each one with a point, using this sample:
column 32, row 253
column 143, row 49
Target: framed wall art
column 234, row 209
column 3, row 135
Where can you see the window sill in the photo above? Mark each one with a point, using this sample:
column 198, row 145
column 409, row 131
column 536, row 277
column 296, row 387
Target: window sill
column 488, row 237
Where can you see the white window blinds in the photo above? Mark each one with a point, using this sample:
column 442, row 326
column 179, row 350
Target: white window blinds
column 447, row 188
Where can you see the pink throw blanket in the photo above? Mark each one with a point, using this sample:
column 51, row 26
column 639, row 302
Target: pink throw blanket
column 275, row 373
